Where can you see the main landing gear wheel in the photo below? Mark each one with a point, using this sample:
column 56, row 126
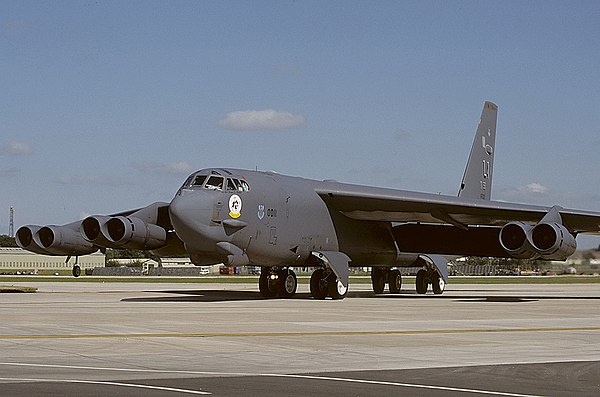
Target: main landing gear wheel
column 288, row 283
column 438, row 284
column 76, row 271
column 335, row 287
column 277, row 282
column 426, row 277
column 319, row 284
column 267, row 284
column 395, row 281
column 421, row 281
column 378, row 280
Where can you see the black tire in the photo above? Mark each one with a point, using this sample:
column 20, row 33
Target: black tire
column 76, row 271
column 335, row 287
column 264, row 284
column 288, row 283
column 395, row 281
column 421, row 282
column 438, row 284
column 378, row 280
column 318, row 285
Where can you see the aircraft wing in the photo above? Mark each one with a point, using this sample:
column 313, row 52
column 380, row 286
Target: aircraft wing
column 380, row 204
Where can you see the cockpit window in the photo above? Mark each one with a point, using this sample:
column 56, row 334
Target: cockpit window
column 231, row 184
column 237, row 185
column 199, row 180
column 244, row 187
column 214, row 183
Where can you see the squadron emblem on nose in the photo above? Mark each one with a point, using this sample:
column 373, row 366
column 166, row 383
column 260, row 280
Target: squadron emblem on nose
column 235, row 206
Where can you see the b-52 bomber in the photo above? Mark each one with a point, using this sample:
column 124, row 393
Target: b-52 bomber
column 241, row 217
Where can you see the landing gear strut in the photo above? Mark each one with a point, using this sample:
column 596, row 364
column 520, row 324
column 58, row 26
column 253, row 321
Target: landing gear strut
column 277, row 282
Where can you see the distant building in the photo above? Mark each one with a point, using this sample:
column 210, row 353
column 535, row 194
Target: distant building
column 19, row 259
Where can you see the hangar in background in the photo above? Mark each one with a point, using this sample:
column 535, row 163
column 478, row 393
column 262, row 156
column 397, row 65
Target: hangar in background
column 19, row 259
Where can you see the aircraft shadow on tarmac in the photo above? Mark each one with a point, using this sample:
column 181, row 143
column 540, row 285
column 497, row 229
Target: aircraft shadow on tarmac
column 226, row 296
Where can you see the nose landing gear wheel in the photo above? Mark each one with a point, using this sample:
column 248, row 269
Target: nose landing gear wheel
column 76, row 271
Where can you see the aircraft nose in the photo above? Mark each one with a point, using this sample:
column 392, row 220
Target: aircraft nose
column 190, row 215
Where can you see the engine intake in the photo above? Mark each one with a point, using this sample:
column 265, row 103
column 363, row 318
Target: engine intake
column 552, row 241
column 24, row 239
column 513, row 238
column 546, row 240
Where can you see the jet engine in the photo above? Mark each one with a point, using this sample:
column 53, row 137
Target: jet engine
column 546, row 240
column 552, row 241
column 91, row 230
column 513, row 238
column 132, row 232
column 24, row 239
column 54, row 240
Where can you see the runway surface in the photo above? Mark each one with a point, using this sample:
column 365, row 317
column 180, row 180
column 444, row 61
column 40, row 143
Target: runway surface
column 145, row 339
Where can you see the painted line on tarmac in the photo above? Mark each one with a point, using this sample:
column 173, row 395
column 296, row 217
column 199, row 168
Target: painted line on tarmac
column 221, row 374
column 297, row 334
column 408, row 385
column 108, row 383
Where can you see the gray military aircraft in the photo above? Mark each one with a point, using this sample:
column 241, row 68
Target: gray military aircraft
column 240, row 217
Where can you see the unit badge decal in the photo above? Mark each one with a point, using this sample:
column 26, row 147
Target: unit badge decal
column 261, row 212
column 235, row 206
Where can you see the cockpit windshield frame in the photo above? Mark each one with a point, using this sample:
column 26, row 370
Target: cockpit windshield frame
column 214, row 180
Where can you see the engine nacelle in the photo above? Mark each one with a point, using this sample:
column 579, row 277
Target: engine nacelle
column 552, row 241
column 91, row 230
column 132, row 232
column 514, row 240
column 24, row 239
column 62, row 240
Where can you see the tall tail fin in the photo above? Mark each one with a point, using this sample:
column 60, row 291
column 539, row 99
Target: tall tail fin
column 477, row 180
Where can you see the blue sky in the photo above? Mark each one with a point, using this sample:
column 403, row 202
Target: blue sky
column 107, row 106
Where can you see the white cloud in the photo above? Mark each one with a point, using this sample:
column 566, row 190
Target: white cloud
column 268, row 119
column 535, row 188
column 533, row 192
column 15, row 148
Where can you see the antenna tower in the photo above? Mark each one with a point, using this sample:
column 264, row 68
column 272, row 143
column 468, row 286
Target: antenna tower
column 11, row 223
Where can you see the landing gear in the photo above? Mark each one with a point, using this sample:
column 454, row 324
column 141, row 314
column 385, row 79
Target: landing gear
column 288, row 283
column 426, row 277
column 277, row 282
column 394, row 281
column 324, row 283
column 380, row 276
column 76, row 271
column 421, row 281
column 318, row 284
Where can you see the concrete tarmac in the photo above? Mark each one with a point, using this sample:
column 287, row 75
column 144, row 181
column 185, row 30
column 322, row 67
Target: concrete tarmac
column 157, row 339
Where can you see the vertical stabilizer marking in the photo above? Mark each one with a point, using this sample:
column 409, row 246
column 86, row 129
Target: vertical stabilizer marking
column 477, row 179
